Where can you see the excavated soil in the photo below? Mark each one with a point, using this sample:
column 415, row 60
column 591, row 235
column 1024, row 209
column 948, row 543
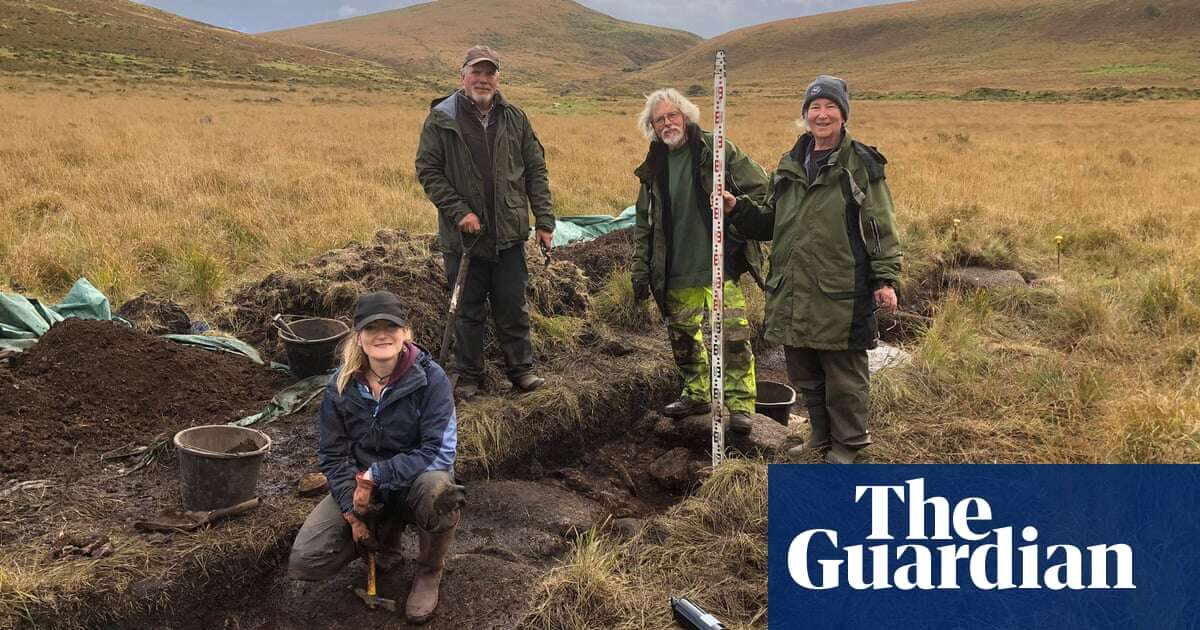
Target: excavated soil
column 89, row 387
column 602, row 257
column 513, row 530
column 155, row 315
column 409, row 266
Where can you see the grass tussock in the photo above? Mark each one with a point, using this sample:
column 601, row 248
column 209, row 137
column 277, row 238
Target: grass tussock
column 614, row 305
column 577, row 392
column 78, row 592
column 1155, row 427
column 711, row 548
column 586, row 591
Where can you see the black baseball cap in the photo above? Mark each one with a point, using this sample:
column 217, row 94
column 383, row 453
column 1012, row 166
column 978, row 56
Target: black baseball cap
column 376, row 306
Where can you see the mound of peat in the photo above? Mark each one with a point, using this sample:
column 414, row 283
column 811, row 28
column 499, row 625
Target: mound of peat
column 600, row 258
column 89, row 387
column 409, row 266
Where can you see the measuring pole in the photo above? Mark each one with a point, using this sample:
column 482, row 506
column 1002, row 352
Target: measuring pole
column 716, row 353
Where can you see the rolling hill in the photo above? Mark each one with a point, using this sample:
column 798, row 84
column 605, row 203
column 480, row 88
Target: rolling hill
column 118, row 38
column 553, row 42
column 958, row 45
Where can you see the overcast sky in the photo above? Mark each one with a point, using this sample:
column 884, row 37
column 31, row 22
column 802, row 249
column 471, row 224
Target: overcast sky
column 703, row 17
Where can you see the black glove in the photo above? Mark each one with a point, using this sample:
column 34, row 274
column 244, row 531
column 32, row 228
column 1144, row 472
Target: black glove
column 641, row 291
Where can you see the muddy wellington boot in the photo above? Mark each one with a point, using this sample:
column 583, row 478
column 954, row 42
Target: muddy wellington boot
column 427, row 580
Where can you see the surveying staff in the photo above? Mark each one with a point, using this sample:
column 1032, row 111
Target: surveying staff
column 387, row 447
column 673, row 252
column 483, row 167
column 835, row 261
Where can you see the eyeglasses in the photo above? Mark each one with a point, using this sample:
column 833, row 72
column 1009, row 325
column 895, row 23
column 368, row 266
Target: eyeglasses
column 675, row 117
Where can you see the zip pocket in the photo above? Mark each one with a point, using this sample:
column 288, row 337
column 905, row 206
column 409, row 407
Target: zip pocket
column 875, row 233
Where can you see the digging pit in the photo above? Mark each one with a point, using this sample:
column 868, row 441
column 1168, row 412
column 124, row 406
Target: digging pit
column 539, row 468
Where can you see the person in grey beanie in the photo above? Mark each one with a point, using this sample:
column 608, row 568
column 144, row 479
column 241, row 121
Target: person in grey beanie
column 835, row 261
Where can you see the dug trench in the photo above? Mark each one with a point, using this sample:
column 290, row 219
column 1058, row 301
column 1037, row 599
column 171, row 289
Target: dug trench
column 540, row 468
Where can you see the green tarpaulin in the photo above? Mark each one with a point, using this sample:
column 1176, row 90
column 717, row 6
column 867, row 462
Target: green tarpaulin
column 590, row 226
column 23, row 320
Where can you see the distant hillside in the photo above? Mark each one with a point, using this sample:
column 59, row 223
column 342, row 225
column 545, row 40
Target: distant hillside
column 957, row 45
column 125, row 39
column 539, row 41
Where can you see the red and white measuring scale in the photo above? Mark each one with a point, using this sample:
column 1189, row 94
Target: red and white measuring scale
column 716, row 354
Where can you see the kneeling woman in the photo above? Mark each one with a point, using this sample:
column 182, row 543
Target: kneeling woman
column 388, row 440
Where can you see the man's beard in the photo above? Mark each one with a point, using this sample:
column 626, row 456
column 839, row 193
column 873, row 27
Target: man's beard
column 672, row 138
column 481, row 98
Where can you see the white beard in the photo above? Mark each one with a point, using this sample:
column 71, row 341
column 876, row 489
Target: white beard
column 673, row 138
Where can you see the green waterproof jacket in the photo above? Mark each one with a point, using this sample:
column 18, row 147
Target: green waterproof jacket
column 453, row 183
column 651, row 230
column 835, row 243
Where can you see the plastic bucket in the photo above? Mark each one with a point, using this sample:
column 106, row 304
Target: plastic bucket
column 313, row 348
column 218, row 465
column 775, row 401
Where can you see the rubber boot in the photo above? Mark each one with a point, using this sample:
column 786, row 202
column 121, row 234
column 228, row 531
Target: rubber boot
column 427, row 579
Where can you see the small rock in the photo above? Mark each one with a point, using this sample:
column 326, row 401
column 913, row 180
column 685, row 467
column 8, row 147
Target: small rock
column 676, row 470
column 982, row 278
column 767, row 438
column 627, row 527
column 311, row 485
column 886, row 356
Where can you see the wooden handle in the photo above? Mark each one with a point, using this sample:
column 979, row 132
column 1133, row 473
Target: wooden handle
column 371, row 574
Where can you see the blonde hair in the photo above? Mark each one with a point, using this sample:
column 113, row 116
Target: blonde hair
column 645, row 122
column 355, row 361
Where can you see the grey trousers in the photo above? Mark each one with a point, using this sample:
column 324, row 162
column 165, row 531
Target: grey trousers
column 835, row 386
column 324, row 544
column 500, row 283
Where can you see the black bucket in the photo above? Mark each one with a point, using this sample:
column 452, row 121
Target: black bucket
column 218, row 465
column 775, row 401
column 311, row 344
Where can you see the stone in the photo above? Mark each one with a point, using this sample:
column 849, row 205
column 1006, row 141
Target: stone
column 311, row 485
column 886, row 356
column 677, row 470
column 767, row 439
column 627, row 527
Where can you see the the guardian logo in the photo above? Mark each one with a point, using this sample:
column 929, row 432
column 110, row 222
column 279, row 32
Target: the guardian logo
column 974, row 554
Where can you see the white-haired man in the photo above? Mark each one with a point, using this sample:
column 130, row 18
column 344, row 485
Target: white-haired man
column 673, row 251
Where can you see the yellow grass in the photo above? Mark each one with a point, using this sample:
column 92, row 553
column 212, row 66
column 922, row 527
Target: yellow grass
column 139, row 191
column 188, row 194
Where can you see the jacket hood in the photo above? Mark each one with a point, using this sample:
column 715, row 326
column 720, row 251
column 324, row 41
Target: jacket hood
column 448, row 105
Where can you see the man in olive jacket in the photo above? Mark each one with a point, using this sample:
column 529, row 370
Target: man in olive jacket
column 835, row 260
column 481, row 164
column 673, row 252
